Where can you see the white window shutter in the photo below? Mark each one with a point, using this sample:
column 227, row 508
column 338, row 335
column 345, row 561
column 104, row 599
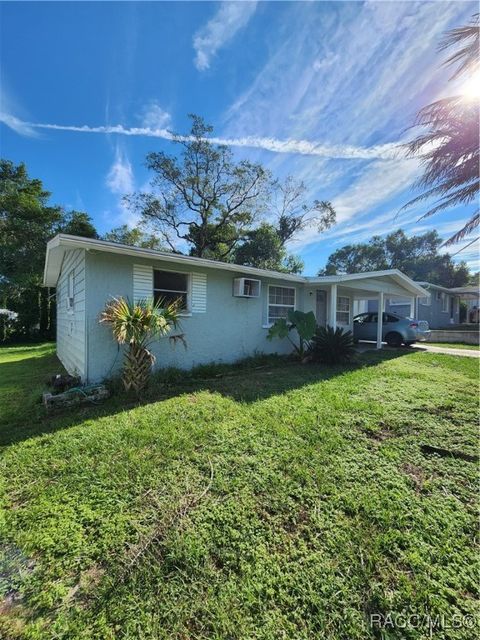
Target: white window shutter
column 199, row 293
column 142, row 282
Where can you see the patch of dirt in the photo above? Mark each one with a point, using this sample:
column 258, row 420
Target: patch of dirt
column 383, row 432
column 89, row 579
column 415, row 474
column 12, row 615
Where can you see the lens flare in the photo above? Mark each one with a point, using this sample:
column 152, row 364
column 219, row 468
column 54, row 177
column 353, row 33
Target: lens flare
column 470, row 90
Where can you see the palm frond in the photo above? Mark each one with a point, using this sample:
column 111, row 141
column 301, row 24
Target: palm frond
column 471, row 225
column 467, row 57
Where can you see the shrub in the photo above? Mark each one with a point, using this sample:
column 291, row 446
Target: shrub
column 303, row 323
column 332, row 346
column 8, row 323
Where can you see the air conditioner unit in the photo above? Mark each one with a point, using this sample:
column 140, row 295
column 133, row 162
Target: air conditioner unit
column 246, row 288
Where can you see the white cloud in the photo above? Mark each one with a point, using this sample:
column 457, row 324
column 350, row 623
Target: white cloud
column 275, row 145
column 230, row 17
column 120, row 178
column 17, row 125
column 378, row 183
column 155, row 117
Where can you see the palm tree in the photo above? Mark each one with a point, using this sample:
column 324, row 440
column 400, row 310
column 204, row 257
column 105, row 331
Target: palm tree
column 137, row 324
column 449, row 149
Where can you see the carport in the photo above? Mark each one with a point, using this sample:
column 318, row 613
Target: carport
column 332, row 297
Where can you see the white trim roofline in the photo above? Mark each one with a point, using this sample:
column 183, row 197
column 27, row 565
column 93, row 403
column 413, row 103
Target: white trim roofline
column 57, row 246
column 62, row 242
column 408, row 283
column 453, row 290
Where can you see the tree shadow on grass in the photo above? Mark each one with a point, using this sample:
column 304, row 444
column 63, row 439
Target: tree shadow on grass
column 22, row 382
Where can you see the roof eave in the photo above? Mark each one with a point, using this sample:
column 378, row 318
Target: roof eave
column 91, row 244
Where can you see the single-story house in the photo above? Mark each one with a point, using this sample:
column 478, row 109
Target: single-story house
column 227, row 308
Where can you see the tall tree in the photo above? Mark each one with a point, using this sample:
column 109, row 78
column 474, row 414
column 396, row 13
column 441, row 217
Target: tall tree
column 418, row 257
column 449, row 148
column 135, row 237
column 290, row 213
column 27, row 222
column 294, row 213
column 203, row 197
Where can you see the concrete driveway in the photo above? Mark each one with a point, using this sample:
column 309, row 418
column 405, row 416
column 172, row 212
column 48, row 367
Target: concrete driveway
column 469, row 353
column 423, row 346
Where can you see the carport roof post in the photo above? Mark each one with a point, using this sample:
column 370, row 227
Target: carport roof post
column 380, row 319
column 333, row 306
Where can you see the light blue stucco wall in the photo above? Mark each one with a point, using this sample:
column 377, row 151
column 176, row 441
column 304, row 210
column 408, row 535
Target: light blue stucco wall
column 232, row 328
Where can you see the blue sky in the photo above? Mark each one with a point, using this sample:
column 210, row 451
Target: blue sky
column 318, row 90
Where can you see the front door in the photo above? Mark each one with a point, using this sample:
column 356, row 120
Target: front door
column 321, row 308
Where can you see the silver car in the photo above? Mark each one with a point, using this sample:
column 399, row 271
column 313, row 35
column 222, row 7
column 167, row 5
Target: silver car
column 396, row 329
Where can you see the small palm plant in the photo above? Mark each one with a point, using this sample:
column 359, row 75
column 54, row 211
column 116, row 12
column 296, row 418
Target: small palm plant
column 137, row 324
column 332, row 346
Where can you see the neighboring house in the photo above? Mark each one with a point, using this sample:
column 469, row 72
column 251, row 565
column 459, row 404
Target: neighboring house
column 227, row 308
column 469, row 295
column 441, row 308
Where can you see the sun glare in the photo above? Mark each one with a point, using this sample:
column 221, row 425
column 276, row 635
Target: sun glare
column 471, row 88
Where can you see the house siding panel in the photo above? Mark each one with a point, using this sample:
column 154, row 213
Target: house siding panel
column 71, row 335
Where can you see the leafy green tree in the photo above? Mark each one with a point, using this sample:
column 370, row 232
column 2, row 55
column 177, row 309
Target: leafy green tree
column 355, row 258
column 417, row 256
column 27, row 222
column 203, row 197
column 263, row 248
column 135, row 237
column 448, row 145
column 77, row 223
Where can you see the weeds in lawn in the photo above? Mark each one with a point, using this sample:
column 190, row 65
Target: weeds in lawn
column 277, row 500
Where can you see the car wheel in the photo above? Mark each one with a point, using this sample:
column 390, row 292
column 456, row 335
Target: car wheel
column 393, row 339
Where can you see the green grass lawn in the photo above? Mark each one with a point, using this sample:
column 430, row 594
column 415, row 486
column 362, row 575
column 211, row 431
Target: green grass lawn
column 271, row 502
column 454, row 345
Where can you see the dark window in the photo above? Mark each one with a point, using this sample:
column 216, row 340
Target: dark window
column 170, row 287
column 387, row 317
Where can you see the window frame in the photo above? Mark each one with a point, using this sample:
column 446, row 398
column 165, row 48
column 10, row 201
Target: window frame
column 270, row 323
column 188, row 309
column 348, row 311
column 428, row 302
column 71, row 291
column 445, row 302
